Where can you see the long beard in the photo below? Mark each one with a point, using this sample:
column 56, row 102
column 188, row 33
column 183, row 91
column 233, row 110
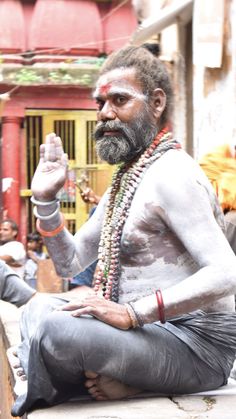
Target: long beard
column 129, row 140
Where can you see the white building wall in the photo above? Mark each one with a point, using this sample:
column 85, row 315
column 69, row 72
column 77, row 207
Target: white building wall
column 214, row 93
column 214, row 89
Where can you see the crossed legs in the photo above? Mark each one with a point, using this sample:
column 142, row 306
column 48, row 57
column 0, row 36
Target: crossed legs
column 67, row 355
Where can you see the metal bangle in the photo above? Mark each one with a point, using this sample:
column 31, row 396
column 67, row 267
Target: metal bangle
column 42, row 203
column 47, row 217
column 138, row 317
column 132, row 315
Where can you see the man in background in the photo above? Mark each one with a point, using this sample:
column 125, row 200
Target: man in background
column 11, row 251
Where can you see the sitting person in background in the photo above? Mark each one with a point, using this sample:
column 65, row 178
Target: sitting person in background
column 34, row 254
column 11, row 250
column 220, row 167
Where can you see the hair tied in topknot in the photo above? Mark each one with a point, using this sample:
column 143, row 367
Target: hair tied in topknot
column 152, row 47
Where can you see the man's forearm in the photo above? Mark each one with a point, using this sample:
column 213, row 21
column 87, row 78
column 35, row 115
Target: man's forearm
column 59, row 241
column 195, row 292
column 12, row 288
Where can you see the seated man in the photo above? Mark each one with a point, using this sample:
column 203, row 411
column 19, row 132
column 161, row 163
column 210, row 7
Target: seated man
column 161, row 314
column 11, row 250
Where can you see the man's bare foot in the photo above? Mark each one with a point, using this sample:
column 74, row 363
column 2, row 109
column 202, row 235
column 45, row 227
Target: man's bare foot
column 106, row 388
column 18, row 372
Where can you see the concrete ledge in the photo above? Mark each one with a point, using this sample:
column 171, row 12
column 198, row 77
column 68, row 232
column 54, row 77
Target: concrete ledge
column 187, row 407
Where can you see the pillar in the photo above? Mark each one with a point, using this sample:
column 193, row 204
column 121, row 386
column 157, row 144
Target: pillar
column 11, row 154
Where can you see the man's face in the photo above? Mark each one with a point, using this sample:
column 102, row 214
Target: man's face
column 7, row 234
column 126, row 125
column 32, row 245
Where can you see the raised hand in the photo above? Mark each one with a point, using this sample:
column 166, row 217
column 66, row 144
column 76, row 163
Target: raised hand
column 51, row 171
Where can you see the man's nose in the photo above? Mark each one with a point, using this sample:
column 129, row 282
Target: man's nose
column 107, row 112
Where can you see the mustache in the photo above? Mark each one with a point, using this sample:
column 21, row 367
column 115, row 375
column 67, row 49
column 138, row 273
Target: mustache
column 102, row 127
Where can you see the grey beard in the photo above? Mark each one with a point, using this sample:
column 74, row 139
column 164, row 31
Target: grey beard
column 133, row 139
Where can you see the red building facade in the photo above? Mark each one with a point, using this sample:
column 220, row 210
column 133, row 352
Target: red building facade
column 51, row 51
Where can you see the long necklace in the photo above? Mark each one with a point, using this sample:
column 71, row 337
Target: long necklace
column 123, row 187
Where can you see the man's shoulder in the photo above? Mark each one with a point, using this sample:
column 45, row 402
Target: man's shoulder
column 177, row 174
column 176, row 165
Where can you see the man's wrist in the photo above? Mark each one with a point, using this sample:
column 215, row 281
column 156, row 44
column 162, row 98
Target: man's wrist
column 41, row 203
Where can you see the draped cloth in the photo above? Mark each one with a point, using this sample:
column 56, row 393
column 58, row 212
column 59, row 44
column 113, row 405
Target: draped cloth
column 220, row 168
column 188, row 354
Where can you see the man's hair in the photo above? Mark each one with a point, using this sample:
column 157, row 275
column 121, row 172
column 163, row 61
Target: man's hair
column 34, row 237
column 150, row 71
column 13, row 224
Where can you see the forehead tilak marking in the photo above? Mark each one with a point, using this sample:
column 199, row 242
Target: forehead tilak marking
column 104, row 88
column 110, row 89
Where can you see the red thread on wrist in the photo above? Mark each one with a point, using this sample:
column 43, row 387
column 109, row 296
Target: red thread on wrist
column 54, row 232
column 160, row 306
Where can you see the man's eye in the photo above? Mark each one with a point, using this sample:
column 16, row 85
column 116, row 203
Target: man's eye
column 100, row 104
column 120, row 100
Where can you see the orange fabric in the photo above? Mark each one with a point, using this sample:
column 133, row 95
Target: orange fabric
column 220, row 168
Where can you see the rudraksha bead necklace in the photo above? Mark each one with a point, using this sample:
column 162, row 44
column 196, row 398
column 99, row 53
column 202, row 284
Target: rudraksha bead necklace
column 123, row 187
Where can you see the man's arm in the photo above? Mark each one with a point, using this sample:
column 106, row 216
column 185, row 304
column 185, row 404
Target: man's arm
column 8, row 259
column 13, row 253
column 12, row 288
column 70, row 254
column 185, row 201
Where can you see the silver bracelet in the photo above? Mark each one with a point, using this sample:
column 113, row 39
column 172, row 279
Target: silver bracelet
column 42, row 203
column 138, row 317
column 132, row 315
column 47, row 217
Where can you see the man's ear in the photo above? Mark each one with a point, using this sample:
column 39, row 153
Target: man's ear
column 14, row 233
column 159, row 102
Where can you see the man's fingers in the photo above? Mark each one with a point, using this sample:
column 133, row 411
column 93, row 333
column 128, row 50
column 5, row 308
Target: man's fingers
column 50, row 138
column 84, row 310
column 58, row 147
column 42, row 151
column 52, row 150
column 69, row 307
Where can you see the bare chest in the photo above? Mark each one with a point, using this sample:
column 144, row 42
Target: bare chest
column 146, row 236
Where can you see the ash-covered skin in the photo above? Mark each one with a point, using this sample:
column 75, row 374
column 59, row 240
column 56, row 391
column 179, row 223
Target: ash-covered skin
column 158, row 249
column 151, row 249
column 150, row 239
column 171, row 240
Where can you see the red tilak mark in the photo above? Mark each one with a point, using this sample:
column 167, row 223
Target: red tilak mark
column 103, row 90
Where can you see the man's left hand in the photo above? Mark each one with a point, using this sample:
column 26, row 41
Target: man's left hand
column 107, row 311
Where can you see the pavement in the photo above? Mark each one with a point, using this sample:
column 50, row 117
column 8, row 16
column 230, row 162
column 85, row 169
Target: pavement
column 186, row 407
column 218, row 404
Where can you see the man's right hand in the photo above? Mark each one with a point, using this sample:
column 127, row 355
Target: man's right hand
column 51, row 172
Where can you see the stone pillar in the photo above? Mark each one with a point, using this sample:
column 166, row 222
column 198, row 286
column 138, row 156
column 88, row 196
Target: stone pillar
column 11, row 134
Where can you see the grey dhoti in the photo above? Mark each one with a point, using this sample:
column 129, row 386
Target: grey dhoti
column 189, row 354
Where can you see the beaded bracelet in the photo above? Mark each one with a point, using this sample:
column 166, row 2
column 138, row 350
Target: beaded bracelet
column 131, row 314
column 54, row 232
column 46, row 217
column 42, row 203
column 160, row 306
